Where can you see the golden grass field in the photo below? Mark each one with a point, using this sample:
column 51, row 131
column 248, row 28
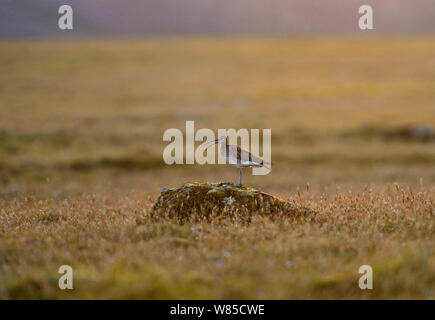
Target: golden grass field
column 81, row 126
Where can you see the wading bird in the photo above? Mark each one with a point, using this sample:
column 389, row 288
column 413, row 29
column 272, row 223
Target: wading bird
column 237, row 156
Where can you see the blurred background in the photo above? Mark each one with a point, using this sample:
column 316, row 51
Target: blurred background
column 242, row 17
column 82, row 117
column 84, row 110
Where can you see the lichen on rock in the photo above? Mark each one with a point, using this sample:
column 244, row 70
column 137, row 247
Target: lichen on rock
column 213, row 202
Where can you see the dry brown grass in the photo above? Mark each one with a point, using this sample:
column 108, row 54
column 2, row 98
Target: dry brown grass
column 118, row 251
column 81, row 127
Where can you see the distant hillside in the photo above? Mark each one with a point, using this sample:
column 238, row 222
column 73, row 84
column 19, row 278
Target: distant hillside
column 135, row 17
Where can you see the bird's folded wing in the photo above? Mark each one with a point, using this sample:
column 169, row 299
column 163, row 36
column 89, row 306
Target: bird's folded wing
column 250, row 164
column 248, row 159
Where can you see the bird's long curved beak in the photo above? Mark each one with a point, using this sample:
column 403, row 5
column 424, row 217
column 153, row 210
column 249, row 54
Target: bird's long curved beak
column 210, row 143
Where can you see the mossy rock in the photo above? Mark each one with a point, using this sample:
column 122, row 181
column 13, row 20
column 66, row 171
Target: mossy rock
column 214, row 202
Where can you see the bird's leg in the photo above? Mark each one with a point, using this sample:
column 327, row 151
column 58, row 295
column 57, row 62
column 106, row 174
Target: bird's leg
column 240, row 178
